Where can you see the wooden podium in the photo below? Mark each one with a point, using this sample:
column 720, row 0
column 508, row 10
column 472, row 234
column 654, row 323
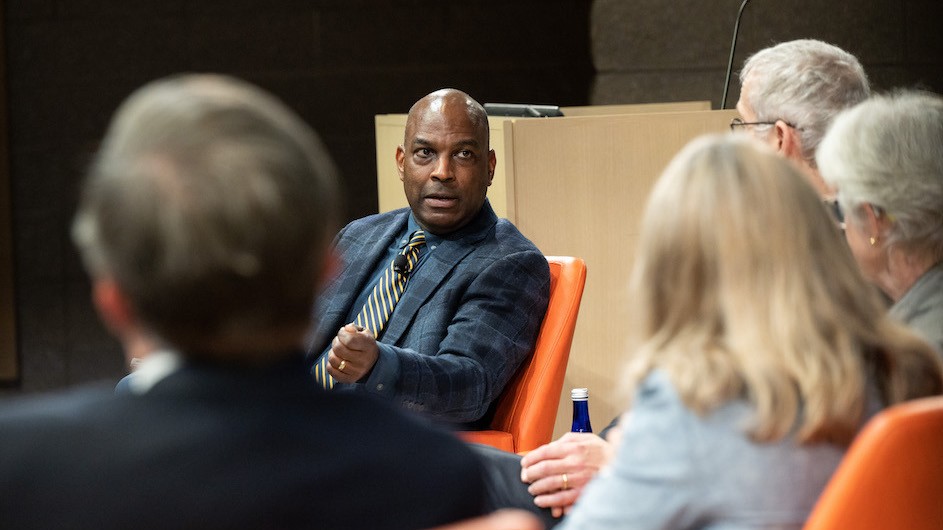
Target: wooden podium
column 577, row 185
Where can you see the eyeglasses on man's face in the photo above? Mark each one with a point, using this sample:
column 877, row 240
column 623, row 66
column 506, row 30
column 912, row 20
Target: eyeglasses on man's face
column 737, row 124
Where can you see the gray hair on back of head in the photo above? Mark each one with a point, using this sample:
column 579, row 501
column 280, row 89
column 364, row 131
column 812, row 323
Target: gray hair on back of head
column 806, row 83
column 888, row 152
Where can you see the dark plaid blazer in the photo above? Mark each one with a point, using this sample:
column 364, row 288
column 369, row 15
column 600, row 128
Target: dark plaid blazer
column 469, row 316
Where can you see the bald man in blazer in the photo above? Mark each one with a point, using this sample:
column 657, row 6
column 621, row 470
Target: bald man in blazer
column 473, row 303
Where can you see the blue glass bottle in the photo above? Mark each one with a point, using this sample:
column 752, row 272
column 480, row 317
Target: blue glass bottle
column 580, row 397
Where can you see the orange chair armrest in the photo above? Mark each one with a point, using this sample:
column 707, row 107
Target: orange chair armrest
column 498, row 439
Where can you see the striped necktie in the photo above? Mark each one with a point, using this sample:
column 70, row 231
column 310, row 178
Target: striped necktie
column 386, row 293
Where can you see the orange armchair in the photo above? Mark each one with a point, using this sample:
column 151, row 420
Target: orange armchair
column 527, row 409
column 892, row 475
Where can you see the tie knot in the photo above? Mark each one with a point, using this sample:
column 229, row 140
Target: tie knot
column 417, row 238
column 405, row 261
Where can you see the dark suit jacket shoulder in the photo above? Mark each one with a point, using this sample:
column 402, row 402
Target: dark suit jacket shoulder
column 208, row 448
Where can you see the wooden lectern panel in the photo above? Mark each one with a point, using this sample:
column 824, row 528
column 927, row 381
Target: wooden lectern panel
column 640, row 108
column 577, row 186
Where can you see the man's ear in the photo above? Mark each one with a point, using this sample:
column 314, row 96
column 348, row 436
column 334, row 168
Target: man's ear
column 401, row 161
column 113, row 306
column 492, row 163
column 789, row 144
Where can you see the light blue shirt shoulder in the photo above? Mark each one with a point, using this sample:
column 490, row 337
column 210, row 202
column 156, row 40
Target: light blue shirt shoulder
column 675, row 469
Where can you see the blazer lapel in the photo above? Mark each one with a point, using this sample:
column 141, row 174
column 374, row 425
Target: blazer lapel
column 360, row 259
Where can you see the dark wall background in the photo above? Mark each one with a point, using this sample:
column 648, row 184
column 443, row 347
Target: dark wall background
column 338, row 63
column 656, row 50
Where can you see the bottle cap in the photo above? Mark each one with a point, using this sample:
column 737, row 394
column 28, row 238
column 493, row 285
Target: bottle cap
column 579, row 393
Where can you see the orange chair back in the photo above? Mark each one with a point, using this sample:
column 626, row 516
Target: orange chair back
column 892, row 475
column 527, row 410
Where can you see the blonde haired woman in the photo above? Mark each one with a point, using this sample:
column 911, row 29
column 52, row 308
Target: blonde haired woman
column 758, row 351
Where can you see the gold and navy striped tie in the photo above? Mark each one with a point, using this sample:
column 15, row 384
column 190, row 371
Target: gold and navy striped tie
column 382, row 299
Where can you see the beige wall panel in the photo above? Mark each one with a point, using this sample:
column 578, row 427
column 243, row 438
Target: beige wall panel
column 638, row 108
column 578, row 187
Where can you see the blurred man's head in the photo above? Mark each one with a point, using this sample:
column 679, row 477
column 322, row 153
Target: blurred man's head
column 791, row 92
column 206, row 219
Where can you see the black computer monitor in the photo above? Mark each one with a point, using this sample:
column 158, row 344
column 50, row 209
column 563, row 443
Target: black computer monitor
column 522, row 110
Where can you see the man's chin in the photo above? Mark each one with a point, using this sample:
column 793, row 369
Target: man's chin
column 440, row 224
